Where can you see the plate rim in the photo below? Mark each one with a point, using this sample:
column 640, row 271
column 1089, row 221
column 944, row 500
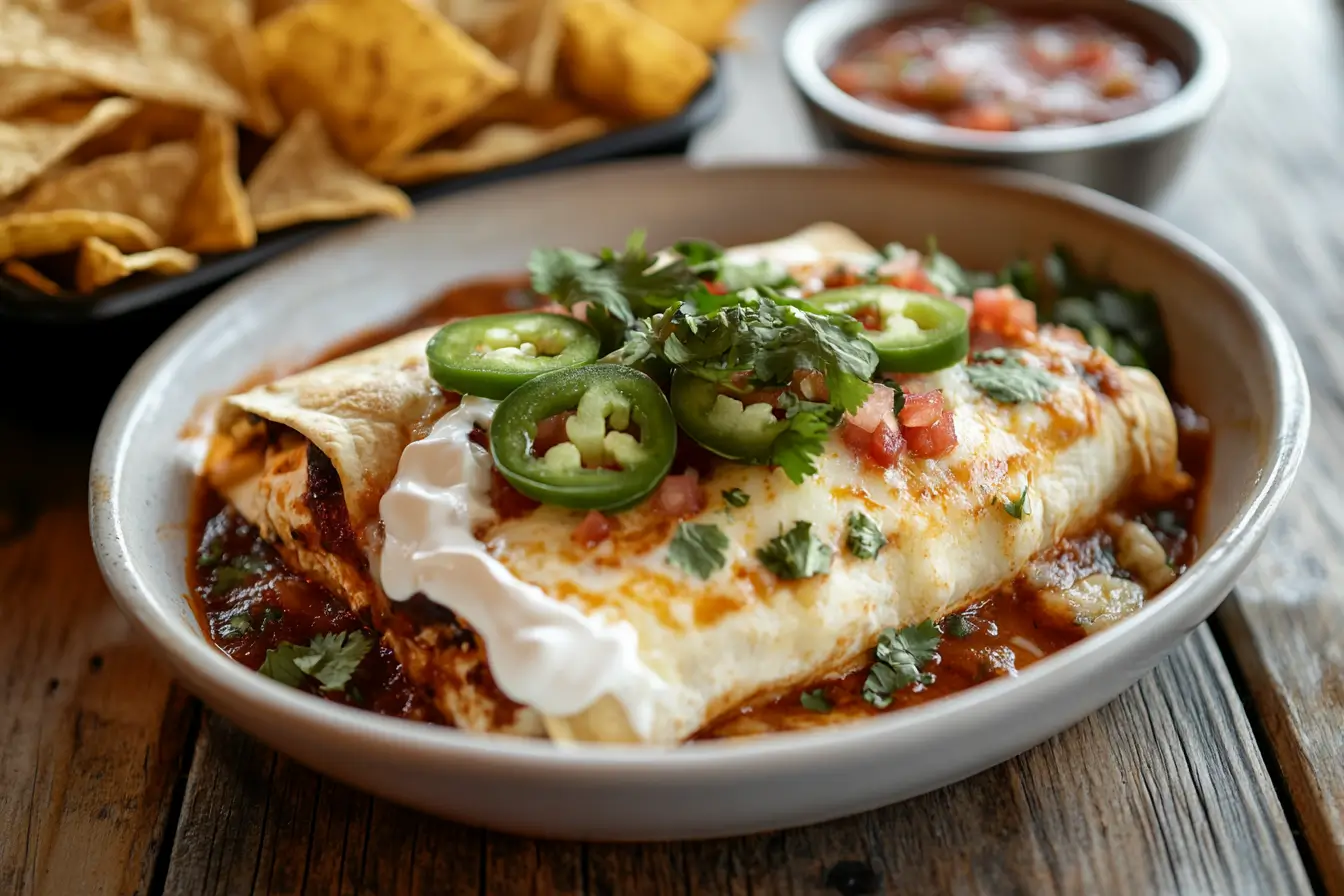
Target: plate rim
column 1181, row 608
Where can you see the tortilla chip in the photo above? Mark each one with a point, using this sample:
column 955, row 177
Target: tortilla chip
column 21, row 88
column 30, row 146
column 148, row 185
column 495, row 145
column 101, row 263
column 122, row 18
column 217, row 35
column 627, row 63
column 30, row 234
column 214, row 215
column 528, row 40
column 150, row 125
column 28, row 275
column 705, row 23
column 385, row 75
column 59, row 41
column 302, row 178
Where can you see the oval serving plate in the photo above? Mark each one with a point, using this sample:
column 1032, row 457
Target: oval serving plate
column 1234, row 361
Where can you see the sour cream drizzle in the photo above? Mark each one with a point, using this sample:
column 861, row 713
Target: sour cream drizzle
column 543, row 653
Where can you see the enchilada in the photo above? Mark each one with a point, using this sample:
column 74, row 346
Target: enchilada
column 766, row 476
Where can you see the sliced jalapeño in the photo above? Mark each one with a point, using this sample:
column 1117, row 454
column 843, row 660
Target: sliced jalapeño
column 621, row 437
column 915, row 332
column 723, row 422
column 492, row 355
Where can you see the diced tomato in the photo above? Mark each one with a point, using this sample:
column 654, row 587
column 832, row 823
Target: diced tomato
column 985, row 117
column 1001, row 310
column 716, row 288
column 507, row 500
column 878, row 410
column 921, row 410
column 553, row 308
column 550, row 432
column 769, row 395
column 869, row 316
column 933, row 441
column 810, row 384
column 914, row 279
column 881, row 447
column 594, row 530
column 1093, row 53
column 580, row 310
column 680, row 496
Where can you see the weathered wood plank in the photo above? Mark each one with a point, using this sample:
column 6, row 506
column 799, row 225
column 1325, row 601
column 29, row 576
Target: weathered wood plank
column 1265, row 192
column 1157, row 793
column 93, row 728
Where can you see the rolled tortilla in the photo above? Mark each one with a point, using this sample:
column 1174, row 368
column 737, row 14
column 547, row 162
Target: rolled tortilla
column 743, row 633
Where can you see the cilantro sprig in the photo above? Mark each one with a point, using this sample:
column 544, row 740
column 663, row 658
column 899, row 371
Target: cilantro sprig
column 796, row 554
column 330, row 660
column 863, row 536
column 698, row 548
column 1004, row 377
column 900, row 659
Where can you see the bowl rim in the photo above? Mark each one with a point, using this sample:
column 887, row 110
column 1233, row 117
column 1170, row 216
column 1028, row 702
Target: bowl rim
column 823, row 24
column 219, row 679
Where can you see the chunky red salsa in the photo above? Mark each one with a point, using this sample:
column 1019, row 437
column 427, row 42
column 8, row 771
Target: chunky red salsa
column 991, row 71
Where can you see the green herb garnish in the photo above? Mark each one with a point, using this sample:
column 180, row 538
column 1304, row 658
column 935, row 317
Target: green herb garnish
column 1010, row 381
column 1020, row 507
column 211, row 552
column 815, row 701
column 735, row 497
column 328, row 659
column 699, row 549
column 271, row 614
column 958, row 626
column 900, row 657
column 237, row 625
column 863, row 537
column 796, row 554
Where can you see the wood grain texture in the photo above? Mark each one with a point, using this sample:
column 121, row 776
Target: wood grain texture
column 93, row 727
column 1157, row 793
column 1265, row 190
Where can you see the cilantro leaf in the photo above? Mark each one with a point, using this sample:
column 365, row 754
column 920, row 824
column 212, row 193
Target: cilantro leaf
column 958, row 626
column 211, row 552
column 796, row 449
column 237, row 625
column 735, row 497
column 332, row 658
column 699, row 254
column 1020, row 507
column 271, row 614
column 329, row 659
column 815, row 701
column 699, row 549
column 863, row 537
column 1011, row 381
column 796, row 554
column 279, row 664
column 900, row 657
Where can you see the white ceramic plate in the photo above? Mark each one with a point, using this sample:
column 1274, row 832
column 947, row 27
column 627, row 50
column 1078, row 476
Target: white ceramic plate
column 1233, row 360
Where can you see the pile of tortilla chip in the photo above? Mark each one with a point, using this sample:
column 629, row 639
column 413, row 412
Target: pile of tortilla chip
column 138, row 135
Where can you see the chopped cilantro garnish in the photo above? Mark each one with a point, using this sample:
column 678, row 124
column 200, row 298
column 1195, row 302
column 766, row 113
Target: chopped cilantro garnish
column 237, row 573
column 328, row 659
column 697, row 548
column 1019, row 507
column 958, row 626
column 271, row 614
column 211, row 552
column 863, row 537
column 237, row 625
column 900, row 657
column 1009, row 381
column 815, row 701
column 796, row 449
column 796, row 554
column 735, row 497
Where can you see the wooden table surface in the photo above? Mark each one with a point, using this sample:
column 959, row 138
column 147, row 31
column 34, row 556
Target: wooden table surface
column 1220, row 772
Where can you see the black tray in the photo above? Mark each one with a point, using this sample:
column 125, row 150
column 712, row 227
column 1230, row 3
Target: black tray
column 20, row 302
column 94, row 343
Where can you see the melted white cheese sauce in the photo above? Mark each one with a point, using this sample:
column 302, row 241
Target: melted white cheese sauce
column 543, row 653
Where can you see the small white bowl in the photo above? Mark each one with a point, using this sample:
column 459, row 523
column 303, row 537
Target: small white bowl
column 1234, row 361
column 1133, row 158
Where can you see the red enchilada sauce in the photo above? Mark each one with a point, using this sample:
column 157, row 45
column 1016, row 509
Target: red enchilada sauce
column 991, row 71
column 249, row 603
